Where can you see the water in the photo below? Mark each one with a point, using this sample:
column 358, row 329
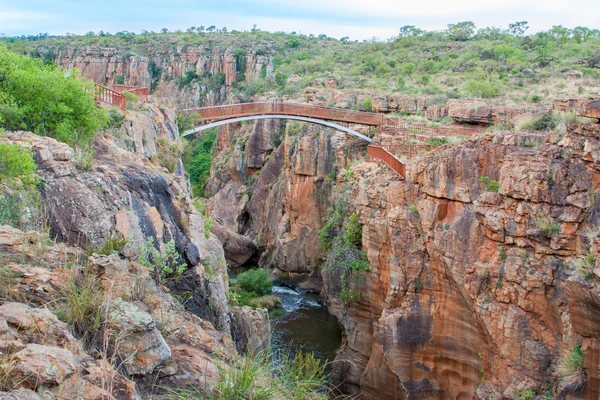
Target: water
column 306, row 325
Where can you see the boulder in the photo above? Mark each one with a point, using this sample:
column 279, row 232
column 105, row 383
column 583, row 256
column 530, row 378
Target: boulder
column 250, row 329
column 238, row 249
column 38, row 365
column 139, row 343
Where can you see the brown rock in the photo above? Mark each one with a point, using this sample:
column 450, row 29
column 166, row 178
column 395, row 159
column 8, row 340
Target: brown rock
column 43, row 365
column 250, row 329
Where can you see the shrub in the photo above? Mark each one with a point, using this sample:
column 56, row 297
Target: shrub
column 571, row 362
column 525, row 394
column 208, row 223
column 197, row 160
column 114, row 244
column 46, row 100
column 130, row 97
column 367, row 104
column 584, row 266
column 437, row 141
column 354, row 231
column 491, row 184
column 481, row 89
column 255, row 280
column 547, row 225
column 20, row 204
column 163, row 265
column 413, row 208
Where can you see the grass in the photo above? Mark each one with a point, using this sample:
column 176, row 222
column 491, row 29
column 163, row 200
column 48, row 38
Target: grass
column 8, row 366
column 114, row 244
column 9, row 283
column 571, row 362
column 584, row 266
column 548, row 227
column 83, row 306
column 271, row 377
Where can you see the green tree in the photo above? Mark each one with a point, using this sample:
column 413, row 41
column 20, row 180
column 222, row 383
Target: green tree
column 46, row 100
column 461, row 31
column 518, row 28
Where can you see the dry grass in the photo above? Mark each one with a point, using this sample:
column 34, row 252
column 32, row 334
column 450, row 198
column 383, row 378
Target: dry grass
column 8, row 367
column 570, row 362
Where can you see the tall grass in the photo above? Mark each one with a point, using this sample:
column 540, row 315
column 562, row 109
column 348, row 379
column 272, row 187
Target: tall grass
column 571, row 362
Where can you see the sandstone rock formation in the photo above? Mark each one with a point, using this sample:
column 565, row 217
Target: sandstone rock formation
column 273, row 185
column 473, row 292
column 251, row 330
column 478, row 111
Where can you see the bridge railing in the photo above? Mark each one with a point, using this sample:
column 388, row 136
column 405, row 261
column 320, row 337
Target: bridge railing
column 428, row 130
column 303, row 110
column 109, row 96
column 388, row 158
column 141, row 92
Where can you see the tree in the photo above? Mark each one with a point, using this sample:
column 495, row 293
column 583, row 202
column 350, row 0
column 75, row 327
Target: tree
column 200, row 29
column 224, row 30
column 191, row 29
column 518, row 28
column 46, row 100
column 461, row 31
column 345, row 39
column 211, row 28
column 164, row 30
column 410, row 31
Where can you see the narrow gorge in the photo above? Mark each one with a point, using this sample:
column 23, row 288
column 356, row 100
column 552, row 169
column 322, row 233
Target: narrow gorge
column 145, row 265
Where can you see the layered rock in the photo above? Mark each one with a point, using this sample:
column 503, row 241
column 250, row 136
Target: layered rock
column 473, row 293
column 273, row 185
column 478, row 111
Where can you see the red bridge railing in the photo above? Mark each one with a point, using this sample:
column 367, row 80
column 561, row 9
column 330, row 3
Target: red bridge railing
column 141, row 92
column 302, row 110
column 388, row 158
column 109, row 96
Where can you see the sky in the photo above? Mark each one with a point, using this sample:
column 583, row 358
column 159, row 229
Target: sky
column 357, row 19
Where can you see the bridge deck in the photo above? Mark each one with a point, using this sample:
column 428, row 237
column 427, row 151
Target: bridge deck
column 281, row 108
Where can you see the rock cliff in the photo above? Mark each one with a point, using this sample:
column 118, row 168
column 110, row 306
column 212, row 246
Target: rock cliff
column 128, row 188
column 475, row 290
column 272, row 183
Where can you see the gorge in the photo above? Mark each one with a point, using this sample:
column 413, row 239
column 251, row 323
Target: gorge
column 476, row 276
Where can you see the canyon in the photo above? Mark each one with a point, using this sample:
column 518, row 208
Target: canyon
column 482, row 265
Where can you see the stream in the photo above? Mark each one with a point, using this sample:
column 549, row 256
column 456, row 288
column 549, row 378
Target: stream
column 306, row 325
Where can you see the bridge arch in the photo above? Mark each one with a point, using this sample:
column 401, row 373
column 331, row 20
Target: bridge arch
column 328, row 124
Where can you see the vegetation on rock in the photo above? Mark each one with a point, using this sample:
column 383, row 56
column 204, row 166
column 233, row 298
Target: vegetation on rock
column 46, row 100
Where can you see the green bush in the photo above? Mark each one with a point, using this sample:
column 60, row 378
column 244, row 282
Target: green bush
column 130, row 97
column 255, row 280
column 481, row 89
column 197, row 159
column 20, row 204
column 114, row 244
column 46, row 100
column 165, row 265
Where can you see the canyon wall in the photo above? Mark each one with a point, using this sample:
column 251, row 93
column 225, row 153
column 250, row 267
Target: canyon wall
column 272, row 182
column 475, row 287
column 105, row 64
column 475, row 293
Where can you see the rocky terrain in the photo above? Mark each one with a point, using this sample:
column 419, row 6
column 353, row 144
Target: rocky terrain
column 153, row 333
column 473, row 290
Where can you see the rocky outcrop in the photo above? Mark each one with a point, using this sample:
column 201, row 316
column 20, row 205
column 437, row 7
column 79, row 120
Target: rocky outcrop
column 107, row 65
column 473, row 293
column 250, row 329
column 123, row 194
column 147, row 332
column 273, row 185
column 478, row 111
